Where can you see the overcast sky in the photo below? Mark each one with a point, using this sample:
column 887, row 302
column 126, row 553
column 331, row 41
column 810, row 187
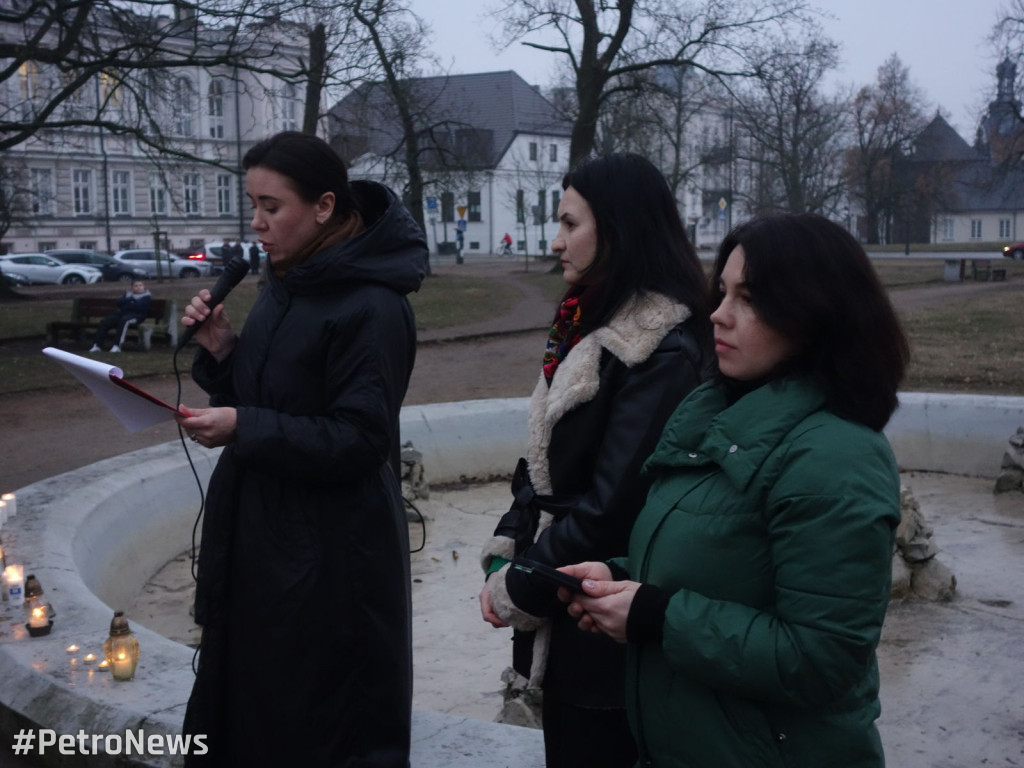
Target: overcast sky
column 943, row 42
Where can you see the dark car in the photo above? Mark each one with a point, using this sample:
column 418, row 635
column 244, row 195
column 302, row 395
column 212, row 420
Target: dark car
column 113, row 270
column 14, row 280
column 1014, row 251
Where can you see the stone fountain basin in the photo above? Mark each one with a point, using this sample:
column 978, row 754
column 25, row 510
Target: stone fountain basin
column 95, row 535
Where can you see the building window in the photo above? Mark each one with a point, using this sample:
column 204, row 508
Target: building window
column 111, row 93
column 556, row 198
column 121, row 193
column 553, row 153
column 157, row 194
column 125, row 245
column 975, row 229
column 41, row 181
column 47, row 245
column 947, row 229
column 520, row 207
column 215, row 108
column 1004, row 229
column 289, row 106
column 193, row 193
column 74, row 106
column 533, row 150
column 183, row 105
column 541, row 209
column 81, row 192
column 447, row 206
column 225, row 186
column 473, row 198
column 29, row 80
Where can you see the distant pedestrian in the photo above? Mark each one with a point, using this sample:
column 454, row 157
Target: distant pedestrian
column 231, row 250
column 254, row 259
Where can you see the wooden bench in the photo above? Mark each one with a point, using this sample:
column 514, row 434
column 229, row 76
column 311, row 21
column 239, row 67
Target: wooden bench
column 981, row 269
column 87, row 312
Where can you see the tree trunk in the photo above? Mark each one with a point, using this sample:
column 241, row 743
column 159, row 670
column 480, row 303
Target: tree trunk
column 315, row 80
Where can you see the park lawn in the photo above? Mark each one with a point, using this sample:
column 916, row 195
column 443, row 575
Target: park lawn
column 964, row 345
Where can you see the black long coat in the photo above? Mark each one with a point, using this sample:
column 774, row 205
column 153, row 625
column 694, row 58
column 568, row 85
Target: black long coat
column 303, row 584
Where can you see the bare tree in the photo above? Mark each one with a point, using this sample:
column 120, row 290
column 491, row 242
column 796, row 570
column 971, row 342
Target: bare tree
column 394, row 38
column 16, row 195
column 1008, row 34
column 794, row 132
column 886, row 115
column 108, row 65
column 607, row 44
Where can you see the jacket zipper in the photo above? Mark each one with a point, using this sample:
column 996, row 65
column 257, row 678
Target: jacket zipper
column 642, row 578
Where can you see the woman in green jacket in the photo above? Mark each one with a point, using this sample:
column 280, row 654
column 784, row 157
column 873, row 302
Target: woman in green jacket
column 758, row 571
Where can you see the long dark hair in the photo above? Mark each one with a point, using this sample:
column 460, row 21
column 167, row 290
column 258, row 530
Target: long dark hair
column 310, row 164
column 641, row 241
column 811, row 281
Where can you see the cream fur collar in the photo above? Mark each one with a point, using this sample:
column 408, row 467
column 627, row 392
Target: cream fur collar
column 632, row 335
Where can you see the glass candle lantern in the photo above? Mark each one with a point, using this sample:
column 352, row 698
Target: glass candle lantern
column 121, row 649
column 38, row 613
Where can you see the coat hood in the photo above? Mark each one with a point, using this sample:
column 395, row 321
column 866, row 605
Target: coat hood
column 391, row 251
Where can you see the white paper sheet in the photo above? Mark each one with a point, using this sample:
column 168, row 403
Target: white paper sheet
column 134, row 408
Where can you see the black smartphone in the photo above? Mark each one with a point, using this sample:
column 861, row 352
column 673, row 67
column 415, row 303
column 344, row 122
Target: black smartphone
column 547, row 572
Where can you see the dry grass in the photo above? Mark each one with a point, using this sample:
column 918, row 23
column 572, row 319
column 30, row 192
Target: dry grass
column 970, row 345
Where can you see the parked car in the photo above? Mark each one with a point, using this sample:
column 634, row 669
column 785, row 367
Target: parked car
column 213, row 253
column 42, row 269
column 14, row 280
column 113, row 270
column 170, row 265
column 1014, row 251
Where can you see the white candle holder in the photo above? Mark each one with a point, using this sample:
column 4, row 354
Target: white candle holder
column 14, row 584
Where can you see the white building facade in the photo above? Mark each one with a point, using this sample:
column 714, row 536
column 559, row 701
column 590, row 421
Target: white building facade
column 88, row 187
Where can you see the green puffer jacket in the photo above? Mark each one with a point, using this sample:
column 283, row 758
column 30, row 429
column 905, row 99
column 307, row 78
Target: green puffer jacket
column 771, row 524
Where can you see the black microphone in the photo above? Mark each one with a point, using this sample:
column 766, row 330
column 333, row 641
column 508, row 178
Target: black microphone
column 234, row 271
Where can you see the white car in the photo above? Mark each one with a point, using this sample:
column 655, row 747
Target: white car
column 169, row 264
column 40, row 268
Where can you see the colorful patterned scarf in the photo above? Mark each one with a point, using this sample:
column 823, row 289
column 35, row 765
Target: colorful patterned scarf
column 563, row 336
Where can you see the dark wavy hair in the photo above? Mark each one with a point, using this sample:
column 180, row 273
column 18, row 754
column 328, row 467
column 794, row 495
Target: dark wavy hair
column 310, row 164
column 811, row 281
column 641, row 241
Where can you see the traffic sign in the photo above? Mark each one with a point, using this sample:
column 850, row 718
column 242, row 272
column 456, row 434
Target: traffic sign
column 461, row 225
column 431, row 203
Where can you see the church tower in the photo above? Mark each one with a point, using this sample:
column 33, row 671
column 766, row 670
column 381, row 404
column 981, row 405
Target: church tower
column 1001, row 133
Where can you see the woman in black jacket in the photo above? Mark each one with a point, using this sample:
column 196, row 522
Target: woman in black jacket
column 303, row 578
column 630, row 339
